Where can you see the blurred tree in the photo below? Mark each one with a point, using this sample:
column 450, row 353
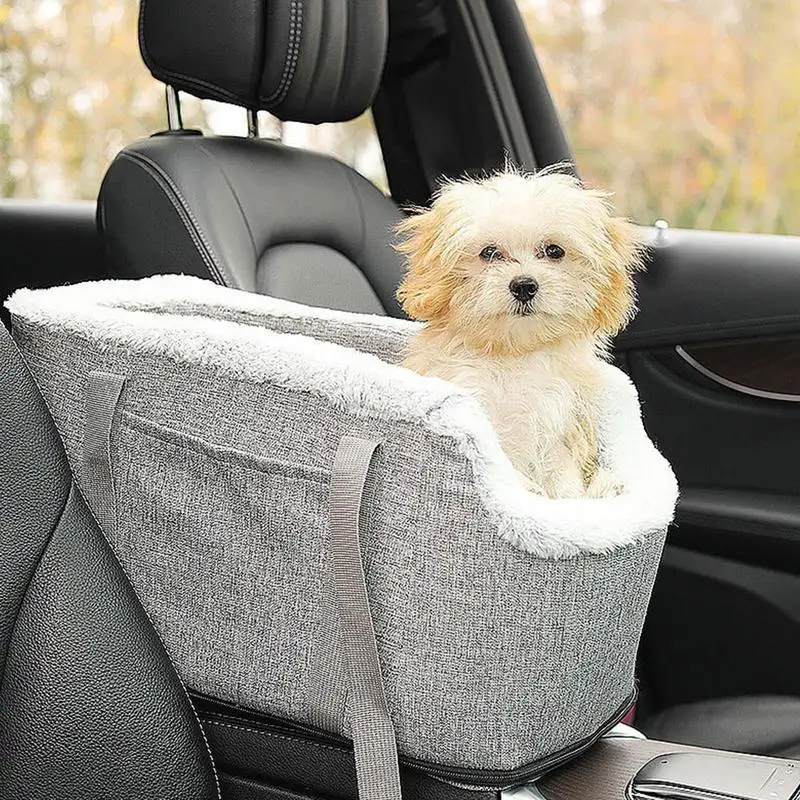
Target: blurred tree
column 73, row 91
column 686, row 109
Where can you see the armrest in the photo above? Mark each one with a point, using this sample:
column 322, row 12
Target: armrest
column 604, row 772
column 708, row 285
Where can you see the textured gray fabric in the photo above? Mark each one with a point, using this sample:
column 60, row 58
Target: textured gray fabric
column 382, row 340
column 492, row 657
column 370, row 723
column 102, row 395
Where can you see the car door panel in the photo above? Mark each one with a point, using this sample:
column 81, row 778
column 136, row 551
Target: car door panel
column 708, row 286
column 713, row 436
column 715, row 356
column 718, row 627
column 769, row 369
column 45, row 244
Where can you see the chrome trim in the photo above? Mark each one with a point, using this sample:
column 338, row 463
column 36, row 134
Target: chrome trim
column 174, row 120
column 623, row 731
column 661, row 226
column 252, row 124
column 736, row 387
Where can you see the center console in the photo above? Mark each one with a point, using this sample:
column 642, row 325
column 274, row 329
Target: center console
column 606, row 772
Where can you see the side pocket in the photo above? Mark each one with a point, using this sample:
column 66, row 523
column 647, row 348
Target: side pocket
column 231, row 455
column 225, row 549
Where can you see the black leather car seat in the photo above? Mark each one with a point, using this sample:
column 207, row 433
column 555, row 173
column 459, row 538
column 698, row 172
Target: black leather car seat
column 90, row 706
column 249, row 213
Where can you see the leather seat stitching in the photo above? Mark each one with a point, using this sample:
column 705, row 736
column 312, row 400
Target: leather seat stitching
column 287, row 75
column 270, row 735
column 188, row 79
column 74, row 490
column 235, row 194
column 179, row 203
column 113, row 554
column 292, row 56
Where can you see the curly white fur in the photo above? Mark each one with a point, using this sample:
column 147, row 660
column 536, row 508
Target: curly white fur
column 534, row 360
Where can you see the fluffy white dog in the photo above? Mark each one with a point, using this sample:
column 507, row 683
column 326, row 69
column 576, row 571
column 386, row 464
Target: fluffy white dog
column 522, row 280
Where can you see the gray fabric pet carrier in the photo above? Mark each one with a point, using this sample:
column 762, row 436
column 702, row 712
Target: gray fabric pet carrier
column 326, row 537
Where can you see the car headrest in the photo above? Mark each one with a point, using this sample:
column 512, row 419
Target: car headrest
column 301, row 60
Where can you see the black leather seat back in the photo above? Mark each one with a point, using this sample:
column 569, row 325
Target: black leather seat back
column 248, row 213
column 317, row 61
column 90, row 705
column 254, row 215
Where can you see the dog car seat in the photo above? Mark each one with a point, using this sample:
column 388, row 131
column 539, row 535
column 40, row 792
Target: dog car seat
column 324, row 536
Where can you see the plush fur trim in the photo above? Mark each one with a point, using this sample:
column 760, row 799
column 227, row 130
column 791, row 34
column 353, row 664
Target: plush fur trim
column 185, row 294
column 122, row 312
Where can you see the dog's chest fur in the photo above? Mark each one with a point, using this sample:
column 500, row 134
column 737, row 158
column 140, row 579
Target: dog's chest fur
column 541, row 404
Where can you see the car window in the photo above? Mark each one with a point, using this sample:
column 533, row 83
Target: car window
column 686, row 109
column 74, row 90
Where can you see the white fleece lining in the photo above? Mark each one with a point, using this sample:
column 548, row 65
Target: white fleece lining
column 119, row 313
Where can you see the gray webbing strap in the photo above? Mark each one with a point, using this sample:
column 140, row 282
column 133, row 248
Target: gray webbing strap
column 102, row 395
column 370, row 724
column 327, row 684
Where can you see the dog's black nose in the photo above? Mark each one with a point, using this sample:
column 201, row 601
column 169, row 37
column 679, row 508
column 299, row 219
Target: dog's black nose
column 523, row 289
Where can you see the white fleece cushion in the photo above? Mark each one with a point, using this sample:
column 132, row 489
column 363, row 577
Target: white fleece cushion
column 185, row 318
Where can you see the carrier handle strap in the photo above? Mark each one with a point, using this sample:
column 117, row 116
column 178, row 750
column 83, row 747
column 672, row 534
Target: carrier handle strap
column 377, row 768
column 103, row 390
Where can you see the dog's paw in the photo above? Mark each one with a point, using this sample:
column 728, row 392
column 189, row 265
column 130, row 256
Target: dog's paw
column 604, row 484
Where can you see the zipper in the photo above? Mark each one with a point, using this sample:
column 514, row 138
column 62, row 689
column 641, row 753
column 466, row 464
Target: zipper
column 502, row 779
column 468, row 777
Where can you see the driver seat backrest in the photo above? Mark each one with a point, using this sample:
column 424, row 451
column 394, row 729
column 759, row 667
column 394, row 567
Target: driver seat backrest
column 249, row 213
column 90, row 705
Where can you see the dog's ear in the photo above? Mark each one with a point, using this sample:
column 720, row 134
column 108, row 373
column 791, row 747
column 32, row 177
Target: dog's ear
column 625, row 253
column 627, row 243
column 426, row 240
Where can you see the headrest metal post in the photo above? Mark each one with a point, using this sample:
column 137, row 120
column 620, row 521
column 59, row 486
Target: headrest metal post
column 174, row 120
column 252, row 124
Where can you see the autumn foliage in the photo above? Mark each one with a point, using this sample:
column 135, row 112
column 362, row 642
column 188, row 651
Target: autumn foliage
column 688, row 110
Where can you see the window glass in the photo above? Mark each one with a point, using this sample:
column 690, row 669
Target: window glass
column 688, row 110
column 74, row 90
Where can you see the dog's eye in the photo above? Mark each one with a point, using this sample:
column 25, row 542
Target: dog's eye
column 554, row 251
column 491, row 253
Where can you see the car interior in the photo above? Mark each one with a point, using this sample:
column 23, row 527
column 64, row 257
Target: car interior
column 89, row 696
